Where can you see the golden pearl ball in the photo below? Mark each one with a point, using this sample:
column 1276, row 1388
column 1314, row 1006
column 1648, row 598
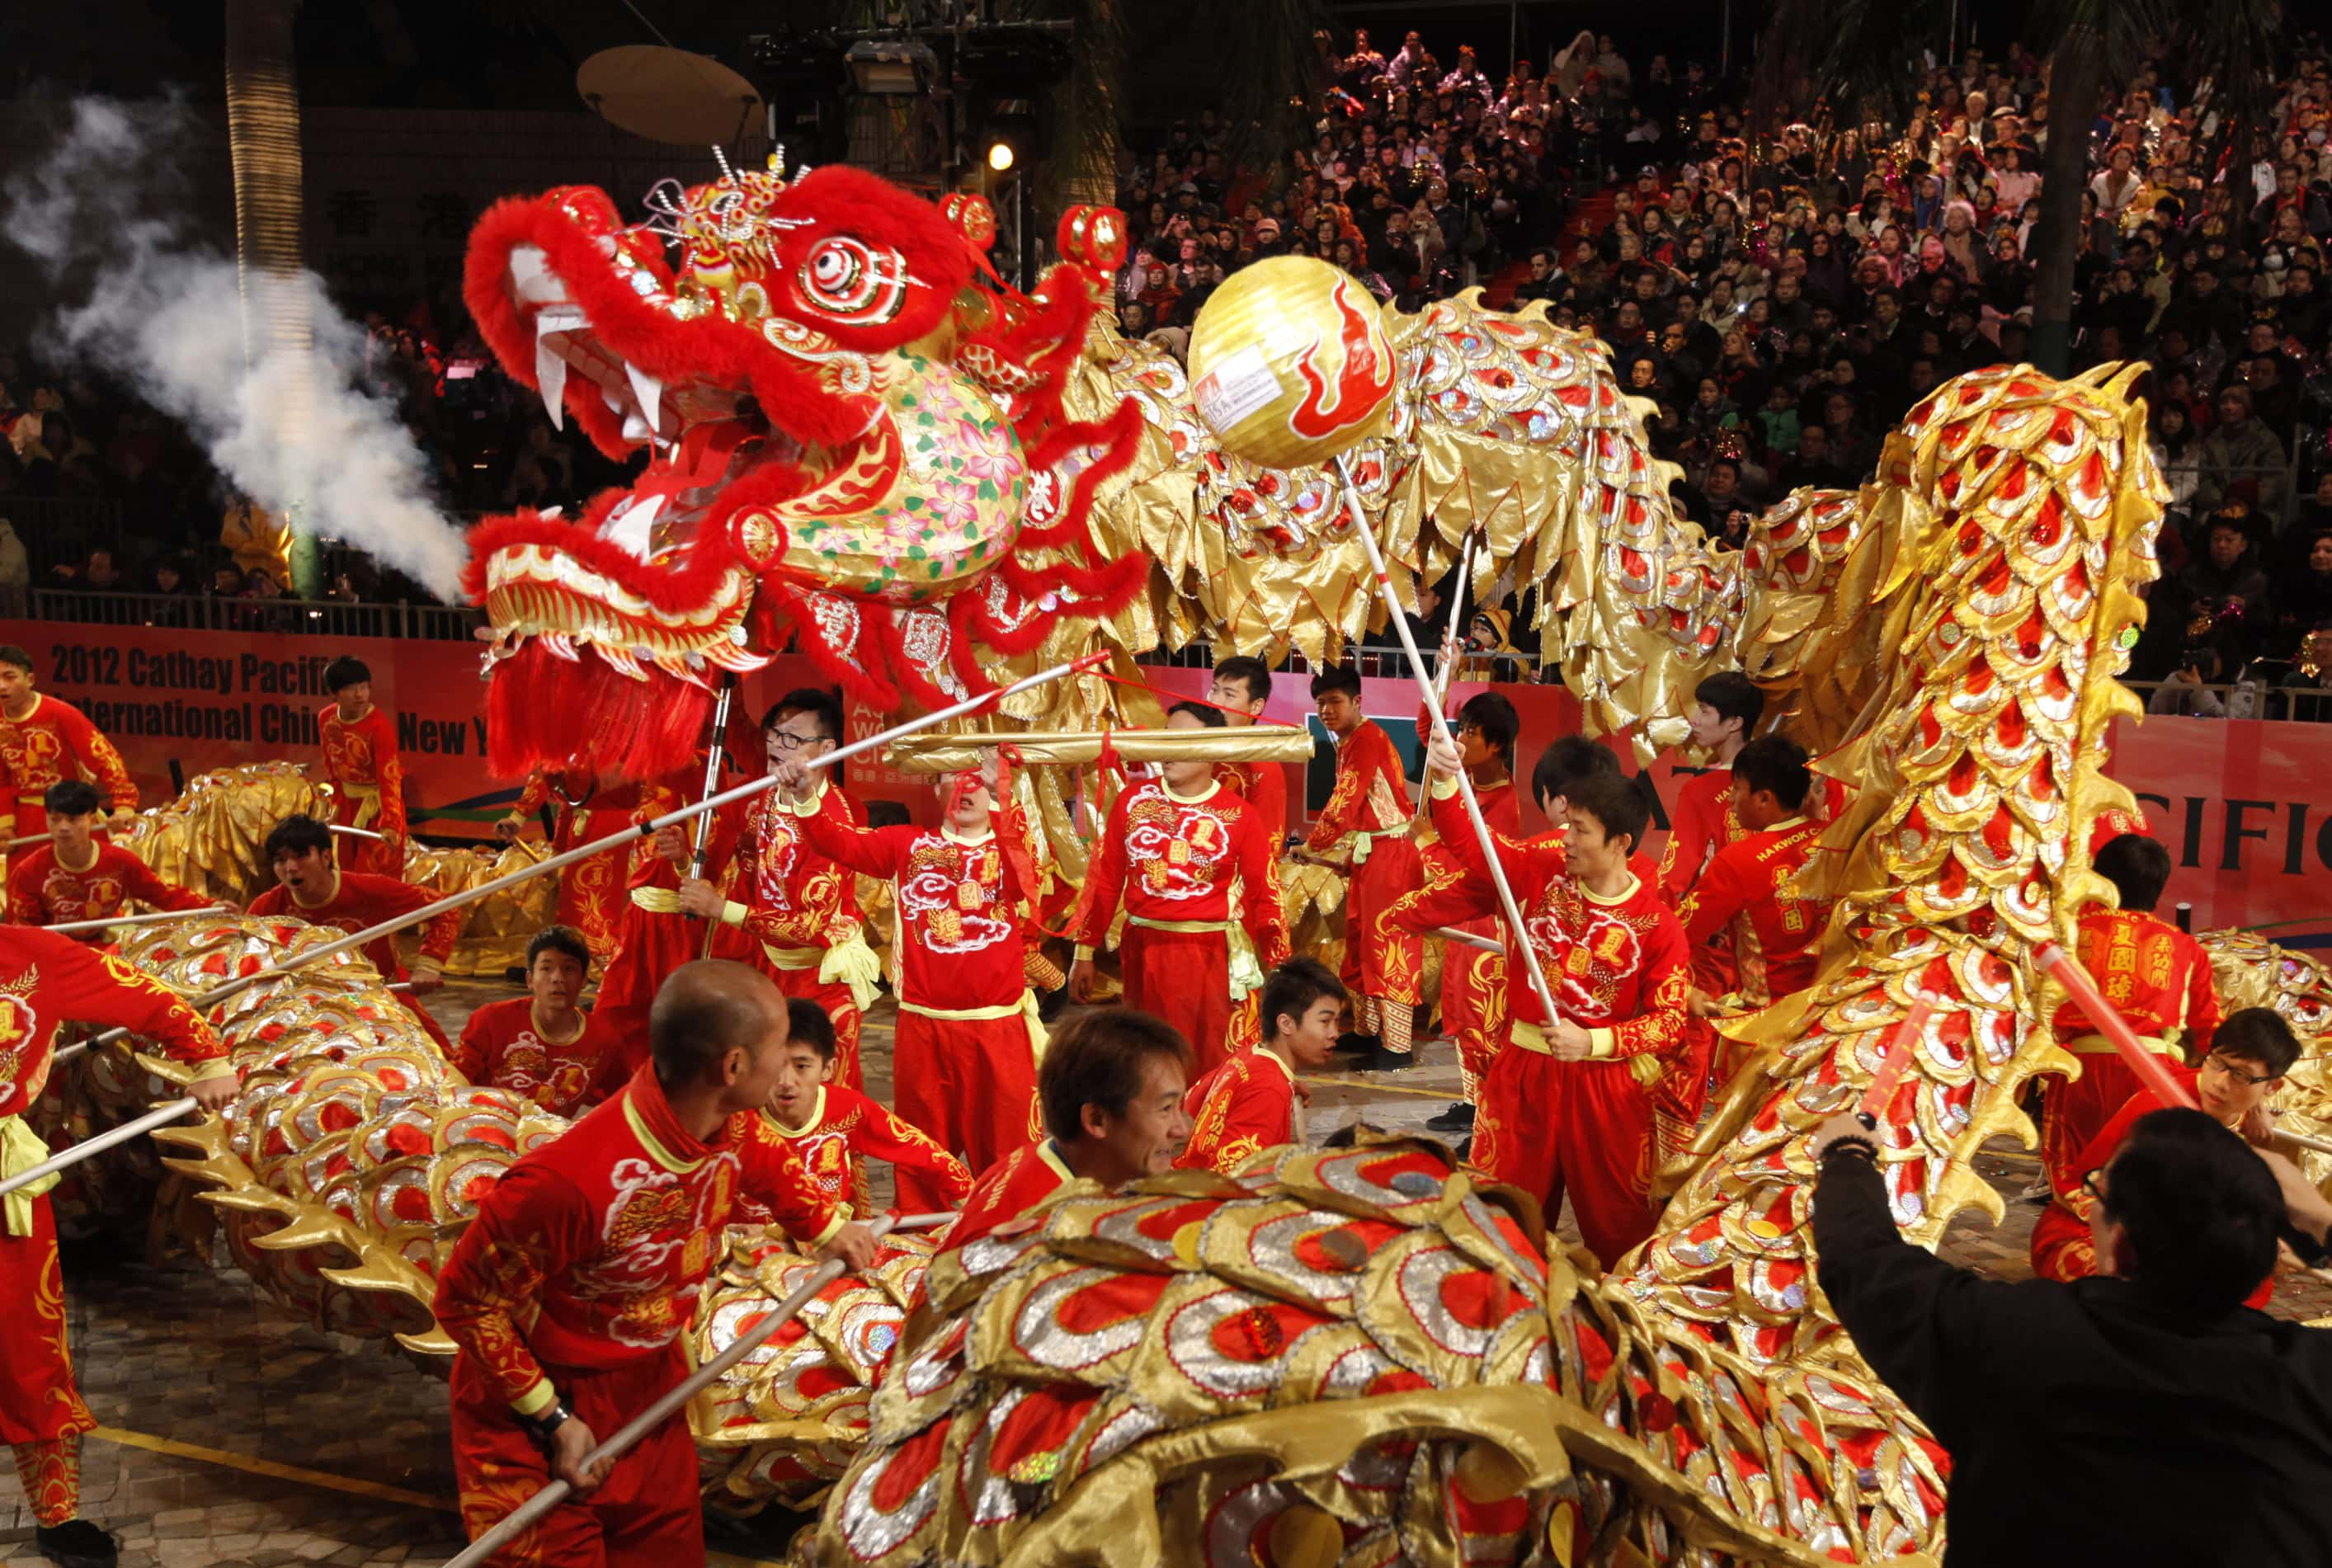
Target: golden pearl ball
column 1289, row 363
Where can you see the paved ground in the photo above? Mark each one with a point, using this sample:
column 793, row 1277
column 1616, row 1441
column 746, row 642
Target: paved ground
column 235, row 1437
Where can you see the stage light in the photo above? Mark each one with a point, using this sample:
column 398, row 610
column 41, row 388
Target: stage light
column 999, row 155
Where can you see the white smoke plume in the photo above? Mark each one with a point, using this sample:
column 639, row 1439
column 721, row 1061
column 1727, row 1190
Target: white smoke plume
column 295, row 430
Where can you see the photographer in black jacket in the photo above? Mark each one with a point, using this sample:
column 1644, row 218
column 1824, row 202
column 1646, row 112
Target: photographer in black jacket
column 2141, row 1417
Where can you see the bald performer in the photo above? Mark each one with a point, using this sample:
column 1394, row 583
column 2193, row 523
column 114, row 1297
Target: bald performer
column 567, row 1296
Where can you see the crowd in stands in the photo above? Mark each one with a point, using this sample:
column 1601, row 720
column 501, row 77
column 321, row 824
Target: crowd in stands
column 167, row 524
column 1780, row 301
column 1784, row 300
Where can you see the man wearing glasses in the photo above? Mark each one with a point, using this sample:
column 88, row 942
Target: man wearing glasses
column 789, row 910
column 2249, row 1057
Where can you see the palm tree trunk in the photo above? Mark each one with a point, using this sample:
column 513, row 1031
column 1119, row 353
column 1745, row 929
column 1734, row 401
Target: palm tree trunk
column 262, row 122
column 2076, row 78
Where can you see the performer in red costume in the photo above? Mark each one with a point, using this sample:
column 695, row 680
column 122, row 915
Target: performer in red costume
column 2154, row 974
column 1368, row 818
column 359, row 744
column 2245, row 1067
column 1461, row 896
column 591, row 892
column 1473, row 980
column 541, row 1045
column 1250, row 1103
column 1240, row 691
column 44, row 741
column 790, row 911
column 837, row 1130
column 964, row 1062
column 73, row 877
column 569, row 1295
column 46, row 979
column 300, row 852
column 1746, row 894
column 1568, row 1104
column 1173, row 849
column 1726, row 708
column 653, row 937
column 1112, row 1090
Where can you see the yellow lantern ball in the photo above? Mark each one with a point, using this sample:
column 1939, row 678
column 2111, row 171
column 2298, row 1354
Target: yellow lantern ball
column 1289, row 363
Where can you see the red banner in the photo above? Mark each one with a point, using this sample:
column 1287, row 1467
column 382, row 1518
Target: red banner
column 205, row 700
column 2241, row 805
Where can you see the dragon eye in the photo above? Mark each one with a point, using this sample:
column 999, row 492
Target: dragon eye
column 852, row 283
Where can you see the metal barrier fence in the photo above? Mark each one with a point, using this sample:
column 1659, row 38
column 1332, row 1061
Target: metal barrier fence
column 321, row 618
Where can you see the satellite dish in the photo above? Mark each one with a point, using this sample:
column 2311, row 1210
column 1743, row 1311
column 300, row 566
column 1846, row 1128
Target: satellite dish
column 668, row 95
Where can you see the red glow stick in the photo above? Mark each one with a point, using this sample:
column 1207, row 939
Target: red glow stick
column 1895, row 1064
column 2067, row 970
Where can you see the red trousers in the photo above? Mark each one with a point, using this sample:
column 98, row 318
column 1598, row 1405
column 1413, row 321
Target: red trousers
column 1185, row 978
column 1473, row 1008
column 1583, row 1128
column 2075, row 1111
column 971, row 1083
column 647, row 1512
column 376, row 855
column 41, row 1413
column 1382, row 962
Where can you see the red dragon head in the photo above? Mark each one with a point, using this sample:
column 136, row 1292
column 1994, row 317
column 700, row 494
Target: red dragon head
column 854, row 437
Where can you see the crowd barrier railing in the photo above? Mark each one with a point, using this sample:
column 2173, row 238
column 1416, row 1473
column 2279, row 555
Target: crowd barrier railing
column 200, row 612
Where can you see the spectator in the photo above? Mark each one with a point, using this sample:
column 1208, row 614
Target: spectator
column 2122, row 1386
column 15, row 572
column 2241, row 460
column 2307, row 686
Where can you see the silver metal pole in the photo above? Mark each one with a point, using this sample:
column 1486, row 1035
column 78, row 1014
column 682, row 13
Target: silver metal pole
column 1441, row 727
column 154, row 918
column 100, row 1143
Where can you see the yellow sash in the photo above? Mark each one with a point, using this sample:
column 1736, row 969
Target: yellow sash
column 21, row 1149
column 1026, row 1007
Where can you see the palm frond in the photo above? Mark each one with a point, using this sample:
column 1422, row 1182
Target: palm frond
column 1868, row 57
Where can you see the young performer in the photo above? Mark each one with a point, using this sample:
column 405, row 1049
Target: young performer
column 835, row 1130
column 792, row 913
column 299, row 853
column 1369, row 806
column 1250, row 1104
column 1726, row 708
column 1568, row 1105
column 2159, row 978
column 44, row 741
column 45, row 979
column 569, row 1295
column 2252, row 1051
column 1112, row 1089
column 1240, row 691
column 967, row 1037
column 1746, row 894
column 73, row 877
column 541, row 1045
column 1174, row 847
column 1462, row 896
column 1472, row 980
column 361, row 759
column 591, row 892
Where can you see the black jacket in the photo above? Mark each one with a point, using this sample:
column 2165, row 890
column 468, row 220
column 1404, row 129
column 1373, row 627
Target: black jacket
column 2088, row 1423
